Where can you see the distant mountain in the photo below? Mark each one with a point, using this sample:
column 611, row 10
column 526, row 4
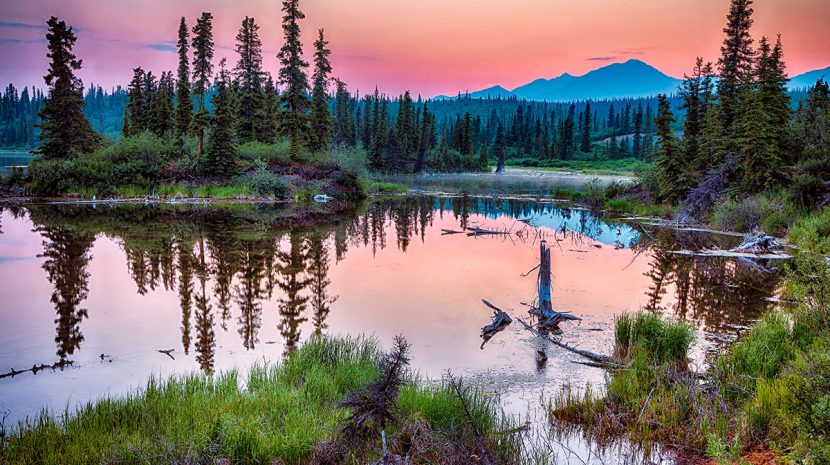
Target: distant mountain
column 633, row 78
column 809, row 79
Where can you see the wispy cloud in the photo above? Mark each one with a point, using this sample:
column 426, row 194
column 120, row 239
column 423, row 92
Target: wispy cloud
column 162, row 47
column 600, row 58
column 13, row 25
column 22, row 41
column 631, row 51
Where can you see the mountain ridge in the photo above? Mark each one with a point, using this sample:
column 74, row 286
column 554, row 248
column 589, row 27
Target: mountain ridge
column 629, row 79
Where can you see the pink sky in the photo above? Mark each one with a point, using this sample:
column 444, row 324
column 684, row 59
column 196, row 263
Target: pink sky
column 428, row 46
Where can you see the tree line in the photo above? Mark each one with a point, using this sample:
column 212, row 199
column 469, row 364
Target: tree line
column 739, row 128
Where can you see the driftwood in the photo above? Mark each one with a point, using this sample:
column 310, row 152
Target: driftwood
column 548, row 318
column 759, row 243
column 59, row 365
column 601, row 360
column 730, row 254
column 167, row 352
column 501, row 320
column 476, row 231
column 444, row 232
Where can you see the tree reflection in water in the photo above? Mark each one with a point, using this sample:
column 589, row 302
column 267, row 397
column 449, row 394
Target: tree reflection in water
column 228, row 264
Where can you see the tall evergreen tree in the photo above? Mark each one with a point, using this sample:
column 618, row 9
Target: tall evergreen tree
column 136, row 112
column 202, row 72
column 249, row 78
column 221, row 155
column 266, row 119
column 65, row 131
column 737, row 57
column 672, row 181
column 344, row 119
column 184, row 106
column 293, row 78
column 771, row 76
column 499, row 150
column 585, row 143
column 426, row 137
column 321, row 122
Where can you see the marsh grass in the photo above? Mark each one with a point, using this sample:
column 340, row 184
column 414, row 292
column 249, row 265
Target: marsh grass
column 277, row 414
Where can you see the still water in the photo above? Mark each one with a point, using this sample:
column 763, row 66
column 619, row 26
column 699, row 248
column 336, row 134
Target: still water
column 221, row 287
column 11, row 158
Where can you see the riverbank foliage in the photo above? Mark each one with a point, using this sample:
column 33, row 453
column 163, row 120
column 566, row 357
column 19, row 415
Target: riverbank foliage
column 769, row 389
column 277, row 414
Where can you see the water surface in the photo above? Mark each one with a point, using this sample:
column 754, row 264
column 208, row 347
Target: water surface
column 107, row 287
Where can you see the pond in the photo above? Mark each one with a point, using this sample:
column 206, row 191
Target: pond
column 14, row 158
column 130, row 291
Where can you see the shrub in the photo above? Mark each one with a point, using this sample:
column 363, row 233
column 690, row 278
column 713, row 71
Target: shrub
column 351, row 160
column 49, row 177
column 813, row 233
column 266, row 183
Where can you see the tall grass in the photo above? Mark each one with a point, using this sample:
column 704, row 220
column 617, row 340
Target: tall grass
column 277, row 414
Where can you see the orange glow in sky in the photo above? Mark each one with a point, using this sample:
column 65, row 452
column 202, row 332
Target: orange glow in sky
column 428, row 46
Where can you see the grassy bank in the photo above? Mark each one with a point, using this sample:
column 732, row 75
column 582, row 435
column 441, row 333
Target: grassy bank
column 145, row 164
column 284, row 413
column 771, row 389
column 622, row 166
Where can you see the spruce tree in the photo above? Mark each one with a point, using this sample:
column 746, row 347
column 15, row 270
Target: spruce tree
column 293, row 78
column 772, row 86
column 249, row 77
column 65, row 130
column 220, row 159
column 343, row 118
column 499, row 150
column 672, row 181
column 585, row 144
column 321, row 121
column 184, row 106
column 136, row 114
column 736, row 62
column 266, row 119
column 426, row 136
column 202, row 71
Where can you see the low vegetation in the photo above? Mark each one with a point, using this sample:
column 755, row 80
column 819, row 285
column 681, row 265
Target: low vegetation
column 770, row 389
column 277, row 414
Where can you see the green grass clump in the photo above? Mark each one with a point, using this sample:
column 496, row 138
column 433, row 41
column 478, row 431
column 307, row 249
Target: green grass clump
column 279, row 413
column 658, row 339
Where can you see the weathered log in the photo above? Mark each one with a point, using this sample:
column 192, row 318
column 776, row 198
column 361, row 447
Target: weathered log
column 545, row 306
column 759, row 243
column 60, row 364
column 450, row 231
column 603, row 360
column 476, row 231
column 501, row 320
column 731, row 254
column 548, row 318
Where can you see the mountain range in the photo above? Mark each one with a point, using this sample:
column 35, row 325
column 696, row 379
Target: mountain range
column 633, row 78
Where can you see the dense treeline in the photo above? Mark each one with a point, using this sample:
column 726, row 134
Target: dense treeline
column 740, row 133
column 19, row 114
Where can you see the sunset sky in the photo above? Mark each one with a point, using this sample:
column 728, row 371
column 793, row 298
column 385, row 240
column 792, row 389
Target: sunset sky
column 428, row 46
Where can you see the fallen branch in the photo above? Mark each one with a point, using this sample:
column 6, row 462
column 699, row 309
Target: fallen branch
column 485, row 454
column 501, row 320
column 60, row 364
column 604, row 361
column 476, row 231
column 731, row 254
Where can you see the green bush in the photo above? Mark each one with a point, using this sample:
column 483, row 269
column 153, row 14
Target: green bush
column 351, row 160
column 266, row 183
column 813, row 233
